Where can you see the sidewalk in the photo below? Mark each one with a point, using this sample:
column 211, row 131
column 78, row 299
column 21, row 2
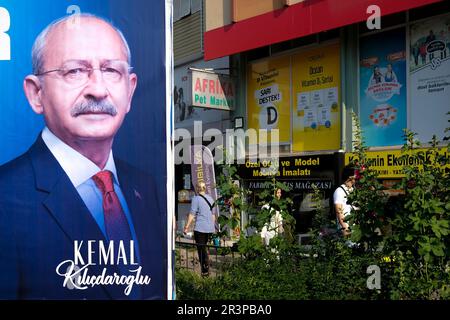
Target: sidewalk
column 187, row 256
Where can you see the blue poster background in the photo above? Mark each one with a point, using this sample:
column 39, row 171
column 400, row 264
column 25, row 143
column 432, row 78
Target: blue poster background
column 383, row 105
column 143, row 130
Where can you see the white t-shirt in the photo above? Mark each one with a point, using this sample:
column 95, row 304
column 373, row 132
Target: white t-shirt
column 274, row 228
column 339, row 197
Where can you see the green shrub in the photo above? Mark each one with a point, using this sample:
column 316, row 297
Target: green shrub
column 413, row 257
column 420, row 241
column 367, row 217
column 288, row 275
column 191, row 286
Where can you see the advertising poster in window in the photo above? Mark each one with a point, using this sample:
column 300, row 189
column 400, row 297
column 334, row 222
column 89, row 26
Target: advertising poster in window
column 429, row 70
column 316, row 115
column 268, row 96
column 84, row 129
column 383, row 88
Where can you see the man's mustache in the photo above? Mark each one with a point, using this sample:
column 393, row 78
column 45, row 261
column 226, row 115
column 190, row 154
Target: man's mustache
column 93, row 106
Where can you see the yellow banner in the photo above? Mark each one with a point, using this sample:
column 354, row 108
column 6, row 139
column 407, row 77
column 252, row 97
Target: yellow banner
column 316, row 109
column 388, row 164
column 268, row 96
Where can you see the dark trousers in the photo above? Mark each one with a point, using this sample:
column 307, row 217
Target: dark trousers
column 201, row 239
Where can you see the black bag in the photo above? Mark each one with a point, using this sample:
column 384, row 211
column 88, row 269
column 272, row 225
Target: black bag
column 332, row 207
column 349, row 202
column 211, row 206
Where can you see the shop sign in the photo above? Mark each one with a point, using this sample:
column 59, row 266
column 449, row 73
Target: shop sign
column 389, row 164
column 212, row 91
column 289, row 168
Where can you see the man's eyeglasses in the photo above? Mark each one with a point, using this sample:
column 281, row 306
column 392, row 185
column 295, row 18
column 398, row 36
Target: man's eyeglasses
column 78, row 74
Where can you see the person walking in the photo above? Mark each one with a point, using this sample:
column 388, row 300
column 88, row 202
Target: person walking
column 201, row 212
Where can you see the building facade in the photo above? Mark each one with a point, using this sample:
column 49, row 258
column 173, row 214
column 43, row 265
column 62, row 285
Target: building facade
column 305, row 66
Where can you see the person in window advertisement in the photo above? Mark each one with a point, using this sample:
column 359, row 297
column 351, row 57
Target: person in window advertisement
column 76, row 221
column 389, row 75
column 377, row 76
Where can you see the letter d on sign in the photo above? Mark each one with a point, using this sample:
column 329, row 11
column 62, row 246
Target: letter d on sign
column 5, row 41
column 268, row 117
column 272, row 115
column 373, row 281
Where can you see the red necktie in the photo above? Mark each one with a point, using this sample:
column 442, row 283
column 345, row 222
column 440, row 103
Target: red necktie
column 116, row 223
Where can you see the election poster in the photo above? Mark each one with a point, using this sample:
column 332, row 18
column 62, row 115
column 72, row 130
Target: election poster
column 316, row 109
column 382, row 83
column 85, row 90
column 429, row 72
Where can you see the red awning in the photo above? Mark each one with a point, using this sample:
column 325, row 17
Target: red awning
column 299, row 20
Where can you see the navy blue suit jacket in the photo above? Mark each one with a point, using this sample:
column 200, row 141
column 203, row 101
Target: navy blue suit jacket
column 41, row 214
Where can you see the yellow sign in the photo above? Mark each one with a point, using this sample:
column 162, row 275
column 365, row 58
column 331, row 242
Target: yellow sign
column 268, row 96
column 286, row 168
column 316, row 109
column 389, row 164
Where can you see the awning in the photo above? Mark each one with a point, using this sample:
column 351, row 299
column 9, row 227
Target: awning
column 299, row 20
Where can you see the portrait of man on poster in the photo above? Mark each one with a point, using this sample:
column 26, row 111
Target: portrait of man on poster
column 76, row 222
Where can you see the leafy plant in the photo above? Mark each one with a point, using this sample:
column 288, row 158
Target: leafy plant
column 268, row 203
column 231, row 201
column 420, row 240
column 321, row 222
column 367, row 217
column 289, row 275
column 413, row 257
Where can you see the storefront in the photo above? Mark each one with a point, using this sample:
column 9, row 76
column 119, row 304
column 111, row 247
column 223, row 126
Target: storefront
column 299, row 174
column 306, row 67
column 298, row 94
column 308, row 93
column 203, row 97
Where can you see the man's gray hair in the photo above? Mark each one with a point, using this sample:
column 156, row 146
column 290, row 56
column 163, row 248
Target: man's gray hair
column 37, row 52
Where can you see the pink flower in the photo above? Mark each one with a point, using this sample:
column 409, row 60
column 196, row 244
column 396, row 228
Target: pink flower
column 358, row 172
